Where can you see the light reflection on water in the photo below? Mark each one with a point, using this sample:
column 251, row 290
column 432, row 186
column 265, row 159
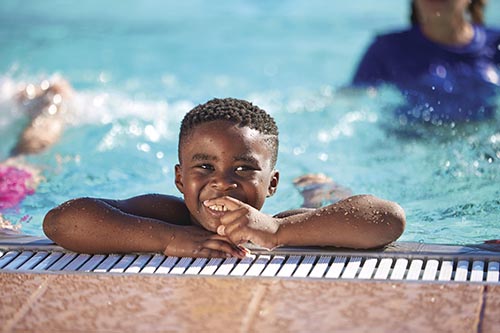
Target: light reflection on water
column 136, row 76
column 445, row 180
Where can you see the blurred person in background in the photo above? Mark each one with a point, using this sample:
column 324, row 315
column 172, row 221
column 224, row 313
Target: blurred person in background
column 45, row 105
column 446, row 65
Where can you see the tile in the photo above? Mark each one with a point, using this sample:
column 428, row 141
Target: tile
column 18, row 291
column 149, row 303
column 491, row 316
column 133, row 303
column 337, row 306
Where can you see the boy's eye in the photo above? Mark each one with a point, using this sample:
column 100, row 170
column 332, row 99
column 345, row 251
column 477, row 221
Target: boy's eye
column 205, row 166
column 245, row 168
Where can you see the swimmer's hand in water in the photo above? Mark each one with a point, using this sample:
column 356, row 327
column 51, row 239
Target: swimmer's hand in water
column 243, row 223
column 319, row 190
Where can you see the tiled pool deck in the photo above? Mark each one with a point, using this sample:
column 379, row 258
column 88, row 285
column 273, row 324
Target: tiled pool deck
column 108, row 302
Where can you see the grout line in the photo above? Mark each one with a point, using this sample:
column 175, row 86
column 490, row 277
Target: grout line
column 253, row 308
column 482, row 308
column 9, row 325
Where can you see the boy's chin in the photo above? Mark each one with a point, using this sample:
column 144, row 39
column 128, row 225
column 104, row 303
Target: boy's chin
column 207, row 226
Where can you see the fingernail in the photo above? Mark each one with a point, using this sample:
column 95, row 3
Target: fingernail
column 221, row 230
column 243, row 249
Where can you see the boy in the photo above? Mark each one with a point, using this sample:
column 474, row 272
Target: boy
column 227, row 154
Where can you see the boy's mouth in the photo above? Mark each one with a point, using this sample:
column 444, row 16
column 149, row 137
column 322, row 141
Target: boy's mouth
column 218, row 208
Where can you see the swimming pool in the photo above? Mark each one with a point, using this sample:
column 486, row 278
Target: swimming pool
column 138, row 67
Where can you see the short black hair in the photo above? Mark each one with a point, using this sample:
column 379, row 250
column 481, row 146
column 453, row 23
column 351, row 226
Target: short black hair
column 240, row 112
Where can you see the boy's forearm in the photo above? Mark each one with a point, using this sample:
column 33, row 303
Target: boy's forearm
column 92, row 226
column 357, row 222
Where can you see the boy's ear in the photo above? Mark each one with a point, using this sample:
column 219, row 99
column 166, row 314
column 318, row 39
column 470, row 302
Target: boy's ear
column 178, row 178
column 273, row 184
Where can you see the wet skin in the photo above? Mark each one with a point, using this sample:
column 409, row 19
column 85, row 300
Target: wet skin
column 221, row 159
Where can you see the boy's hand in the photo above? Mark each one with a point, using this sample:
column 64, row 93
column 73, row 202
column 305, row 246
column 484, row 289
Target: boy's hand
column 243, row 223
column 193, row 241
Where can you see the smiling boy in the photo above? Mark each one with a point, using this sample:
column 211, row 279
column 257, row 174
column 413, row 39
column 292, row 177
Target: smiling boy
column 227, row 156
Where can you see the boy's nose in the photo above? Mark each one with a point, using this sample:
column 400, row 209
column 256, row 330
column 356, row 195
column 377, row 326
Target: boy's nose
column 223, row 183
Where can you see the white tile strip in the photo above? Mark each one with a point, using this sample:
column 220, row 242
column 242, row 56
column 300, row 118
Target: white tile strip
column 62, row 262
column 321, row 266
column 336, row 268
column 415, row 269
column 34, row 260
column 243, row 266
column 226, row 267
column 259, row 265
column 108, row 263
column 92, row 263
column 265, row 264
column 305, row 266
column 76, row 263
column 7, row 258
column 19, row 260
column 196, row 266
column 181, row 266
column 211, row 266
column 138, row 263
column 477, row 273
column 462, row 270
column 167, row 265
column 368, row 269
column 430, row 271
column 153, row 264
column 446, row 270
column 399, row 270
column 124, row 262
column 48, row 261
column 351, row 269
column 384, row 268
column 274, row 266
column 289, row 266
column 493, row 272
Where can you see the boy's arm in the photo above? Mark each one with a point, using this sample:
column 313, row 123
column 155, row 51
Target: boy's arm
column 148, row 223
column 362, row 221
column 359, row 222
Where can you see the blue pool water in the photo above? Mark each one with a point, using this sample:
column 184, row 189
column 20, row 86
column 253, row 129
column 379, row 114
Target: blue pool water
column 138, row 66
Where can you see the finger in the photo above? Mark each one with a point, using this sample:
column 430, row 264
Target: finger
column 225, row 239
column 228, row 202
column 209, row 253
column 237, row 231
column 224, row 246
column 235, row 215
column 221, row 230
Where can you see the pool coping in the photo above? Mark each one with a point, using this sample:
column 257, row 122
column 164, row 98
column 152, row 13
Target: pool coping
column 398, row 248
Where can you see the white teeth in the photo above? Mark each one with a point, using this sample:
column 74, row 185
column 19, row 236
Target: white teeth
column 218, row 208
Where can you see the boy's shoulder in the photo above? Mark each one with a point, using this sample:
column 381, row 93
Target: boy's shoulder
column 164, row 207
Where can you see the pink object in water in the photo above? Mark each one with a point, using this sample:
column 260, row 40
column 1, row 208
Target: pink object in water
column 13, row 186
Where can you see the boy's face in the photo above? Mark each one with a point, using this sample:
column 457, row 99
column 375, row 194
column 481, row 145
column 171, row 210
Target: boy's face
column 220, row 158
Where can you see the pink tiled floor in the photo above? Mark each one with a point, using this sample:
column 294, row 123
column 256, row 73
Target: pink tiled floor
column 152, row 303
